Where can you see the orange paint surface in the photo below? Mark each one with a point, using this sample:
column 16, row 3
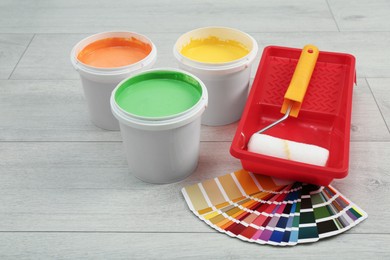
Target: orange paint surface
column 246, row 182
column 266, row 182
column 114, row 52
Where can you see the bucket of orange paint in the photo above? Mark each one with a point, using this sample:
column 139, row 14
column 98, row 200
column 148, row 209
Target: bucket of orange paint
column 222, row 58
column 105, row 59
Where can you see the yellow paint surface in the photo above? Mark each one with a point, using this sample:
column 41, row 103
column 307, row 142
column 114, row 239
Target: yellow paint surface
column 211, row 215
column 214, row 50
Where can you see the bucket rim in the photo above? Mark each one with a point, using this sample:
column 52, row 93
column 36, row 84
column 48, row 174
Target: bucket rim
column 234, row 65
column 162, row 123
column 80, row 66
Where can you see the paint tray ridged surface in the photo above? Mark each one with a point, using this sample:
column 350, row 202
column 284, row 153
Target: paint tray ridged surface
column 266, row 210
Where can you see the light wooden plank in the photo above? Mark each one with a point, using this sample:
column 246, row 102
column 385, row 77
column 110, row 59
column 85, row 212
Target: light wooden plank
column 179, row 246
column 86, row 187
column 367, row 182
column 42, row 110
column 54, row 110
column 48, row 56
column 47, row 111
column 361, row 15
column 380, row 88
column 12, row 47
column 174, row 16
column 367, row 123
column 100, row 165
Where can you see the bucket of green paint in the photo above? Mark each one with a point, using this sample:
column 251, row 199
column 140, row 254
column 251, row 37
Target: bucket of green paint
column 159, row 113
column 225, row 73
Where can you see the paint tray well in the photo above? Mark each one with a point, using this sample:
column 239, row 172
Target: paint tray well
column 324, row 119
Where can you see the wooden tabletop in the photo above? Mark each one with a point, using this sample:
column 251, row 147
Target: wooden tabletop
column 65, row 188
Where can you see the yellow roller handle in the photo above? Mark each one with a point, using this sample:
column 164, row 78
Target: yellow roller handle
column 300, row 81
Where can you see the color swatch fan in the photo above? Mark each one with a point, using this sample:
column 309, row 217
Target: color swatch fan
column 266, row 210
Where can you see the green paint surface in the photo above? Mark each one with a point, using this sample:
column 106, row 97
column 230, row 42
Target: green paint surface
column 158, row 94
column 316, row 199
column 296, row 222
column 322, row 212
column 298, row 207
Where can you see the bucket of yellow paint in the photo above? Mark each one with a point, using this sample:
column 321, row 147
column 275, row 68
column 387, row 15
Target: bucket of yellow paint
column 222, row 58
column 105, row 59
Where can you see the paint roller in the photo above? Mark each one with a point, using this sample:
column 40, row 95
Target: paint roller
column 293, row 98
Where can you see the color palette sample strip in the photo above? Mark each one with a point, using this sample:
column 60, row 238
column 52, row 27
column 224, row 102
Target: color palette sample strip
column 266, row 210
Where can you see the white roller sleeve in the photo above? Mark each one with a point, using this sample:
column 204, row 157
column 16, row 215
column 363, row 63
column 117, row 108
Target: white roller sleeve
column 290, row 150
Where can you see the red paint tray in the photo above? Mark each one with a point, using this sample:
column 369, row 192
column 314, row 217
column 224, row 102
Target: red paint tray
column 324, row 118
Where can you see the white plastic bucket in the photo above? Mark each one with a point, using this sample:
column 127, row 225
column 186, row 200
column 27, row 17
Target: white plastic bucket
column 228, row 82
column 98, row 83
column 161, row 149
